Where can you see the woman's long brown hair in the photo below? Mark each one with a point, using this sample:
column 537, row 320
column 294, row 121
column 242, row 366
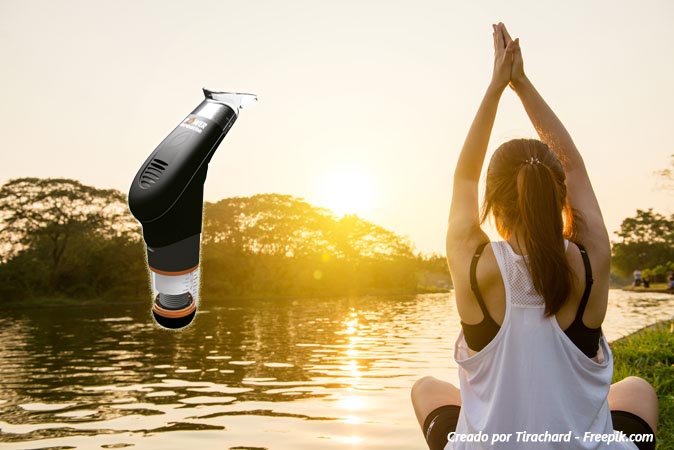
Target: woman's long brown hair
column 526, row 192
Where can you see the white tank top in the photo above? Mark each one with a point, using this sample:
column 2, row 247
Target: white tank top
column 531, row 377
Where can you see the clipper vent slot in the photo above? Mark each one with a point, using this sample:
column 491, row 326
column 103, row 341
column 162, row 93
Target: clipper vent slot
column 152, row 173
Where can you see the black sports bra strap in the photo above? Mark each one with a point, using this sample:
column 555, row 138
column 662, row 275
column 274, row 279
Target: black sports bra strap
column 588, row 282
column 473, row 280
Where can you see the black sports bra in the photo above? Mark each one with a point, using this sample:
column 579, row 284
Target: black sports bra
column 479, row 335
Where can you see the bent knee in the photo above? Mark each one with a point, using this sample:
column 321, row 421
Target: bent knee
column 421, row 385
column 642, row 385
column 636, row 395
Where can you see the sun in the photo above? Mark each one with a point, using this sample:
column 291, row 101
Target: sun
column 348, row 191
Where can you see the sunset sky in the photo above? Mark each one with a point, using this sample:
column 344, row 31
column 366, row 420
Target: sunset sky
column 363, row 107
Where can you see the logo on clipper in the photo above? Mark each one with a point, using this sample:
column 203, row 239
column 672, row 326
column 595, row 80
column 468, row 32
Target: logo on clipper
column 194, row 124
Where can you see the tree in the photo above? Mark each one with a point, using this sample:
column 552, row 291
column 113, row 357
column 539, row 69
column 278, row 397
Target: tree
column 282, row 225
column 279, row 244
column 56, row 209
column 67, row 239
column 271, row 224
column 647, row 242
column 352, row 236
column 44, row 218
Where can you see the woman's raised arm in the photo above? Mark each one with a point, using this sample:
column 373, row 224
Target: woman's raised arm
column 464, row 221
column 591, row 230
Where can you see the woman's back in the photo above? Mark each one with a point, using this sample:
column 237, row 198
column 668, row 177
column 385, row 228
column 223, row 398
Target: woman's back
column 490, row 283
column 531, row 378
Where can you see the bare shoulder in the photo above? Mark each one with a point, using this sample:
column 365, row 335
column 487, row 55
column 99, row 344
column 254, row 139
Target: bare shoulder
column 600, row 260
column 460, row 253
column 460, row 247
column 592, row 234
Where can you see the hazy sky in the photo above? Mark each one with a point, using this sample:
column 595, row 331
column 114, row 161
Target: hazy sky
column 375, row 93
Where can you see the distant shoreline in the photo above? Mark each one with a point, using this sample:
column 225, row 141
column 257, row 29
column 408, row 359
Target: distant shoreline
column 56, row 302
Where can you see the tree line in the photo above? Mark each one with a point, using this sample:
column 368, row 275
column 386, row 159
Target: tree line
column 647, row 244
column 646, row 241
column 61, row 238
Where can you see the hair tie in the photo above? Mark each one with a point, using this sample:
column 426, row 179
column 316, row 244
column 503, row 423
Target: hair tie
column 532, row 160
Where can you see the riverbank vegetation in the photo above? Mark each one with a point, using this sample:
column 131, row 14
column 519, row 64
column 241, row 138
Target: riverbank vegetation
column 62, row 239
column 646, row 243
column 649, row 354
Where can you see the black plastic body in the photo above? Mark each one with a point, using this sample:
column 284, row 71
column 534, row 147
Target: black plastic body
column 166, row 194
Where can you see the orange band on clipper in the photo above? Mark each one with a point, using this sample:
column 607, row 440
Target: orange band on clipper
column 182, row 272
column 174, row 314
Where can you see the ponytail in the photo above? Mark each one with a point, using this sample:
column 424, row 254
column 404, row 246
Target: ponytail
column 540, row 200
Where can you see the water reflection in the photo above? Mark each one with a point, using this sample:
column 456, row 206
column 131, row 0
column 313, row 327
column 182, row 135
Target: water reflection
column 282, row 374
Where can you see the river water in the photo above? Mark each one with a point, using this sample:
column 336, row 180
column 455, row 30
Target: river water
column 254, row 374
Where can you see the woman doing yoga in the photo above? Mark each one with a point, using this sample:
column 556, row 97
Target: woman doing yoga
column 533, row 361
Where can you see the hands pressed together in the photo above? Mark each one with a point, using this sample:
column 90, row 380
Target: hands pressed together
column 508, row 63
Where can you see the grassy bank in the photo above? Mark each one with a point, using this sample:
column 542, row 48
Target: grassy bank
column 649, row 354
